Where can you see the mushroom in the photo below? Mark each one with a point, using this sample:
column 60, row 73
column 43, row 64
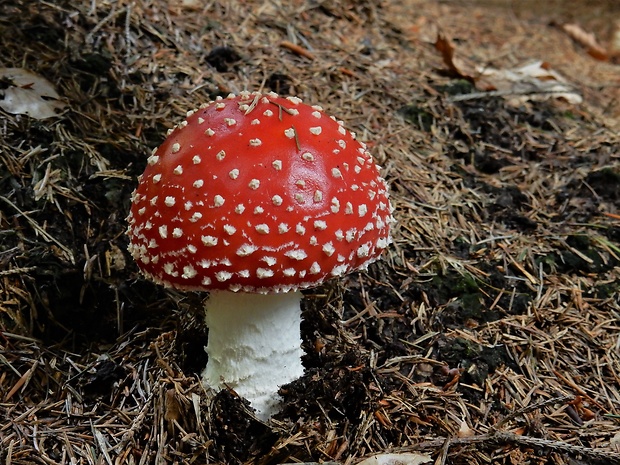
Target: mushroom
column 255, row 197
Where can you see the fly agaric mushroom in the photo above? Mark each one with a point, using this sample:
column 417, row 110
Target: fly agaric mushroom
column 255, row 197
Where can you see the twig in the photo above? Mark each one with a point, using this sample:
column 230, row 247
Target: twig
column 20, row 270
column 603, row 455
column 136, row 424
column 297, row 49
column 499, row 93
column 128, row 39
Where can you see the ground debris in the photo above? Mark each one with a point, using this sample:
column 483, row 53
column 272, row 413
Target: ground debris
column 489, row 332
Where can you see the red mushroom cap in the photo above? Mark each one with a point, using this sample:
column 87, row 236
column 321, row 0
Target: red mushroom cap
column 258, row 193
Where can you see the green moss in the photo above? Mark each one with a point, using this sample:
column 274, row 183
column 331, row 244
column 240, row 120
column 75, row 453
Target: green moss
column 472, row 304
column 457, row 87
column 467, row 284
column 606, row 290
column 580, row 242
column 460, row 350
column 417, row 116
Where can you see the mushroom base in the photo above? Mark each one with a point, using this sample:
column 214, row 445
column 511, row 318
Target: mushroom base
column 254, row 345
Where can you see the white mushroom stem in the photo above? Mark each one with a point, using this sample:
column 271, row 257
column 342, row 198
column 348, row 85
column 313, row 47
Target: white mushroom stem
column 254, row 345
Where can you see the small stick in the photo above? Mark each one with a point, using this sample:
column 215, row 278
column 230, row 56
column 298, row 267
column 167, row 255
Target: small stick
column 348, row 72
column 298, row 50
column 490, row 440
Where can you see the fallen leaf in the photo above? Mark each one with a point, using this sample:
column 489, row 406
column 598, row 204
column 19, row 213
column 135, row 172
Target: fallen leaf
column 457, row 66
column 587, row 40
column 396, row 459
column 173, row 409
column 28, row 94
column 534, row 81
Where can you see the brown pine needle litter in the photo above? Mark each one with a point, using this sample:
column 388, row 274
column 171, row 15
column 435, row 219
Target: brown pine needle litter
column 489, row 333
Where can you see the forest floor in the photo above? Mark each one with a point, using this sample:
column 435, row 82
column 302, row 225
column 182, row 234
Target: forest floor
column 489, row 332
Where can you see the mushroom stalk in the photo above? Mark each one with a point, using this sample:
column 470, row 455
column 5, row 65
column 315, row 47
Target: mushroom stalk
column 254, row 345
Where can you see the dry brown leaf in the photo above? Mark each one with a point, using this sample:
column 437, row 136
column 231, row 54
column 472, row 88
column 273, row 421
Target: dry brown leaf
column 534, row 81
column 29, row 94
column 456, row 66
column 173, row 409
column 587, row 40
column 396, row 459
